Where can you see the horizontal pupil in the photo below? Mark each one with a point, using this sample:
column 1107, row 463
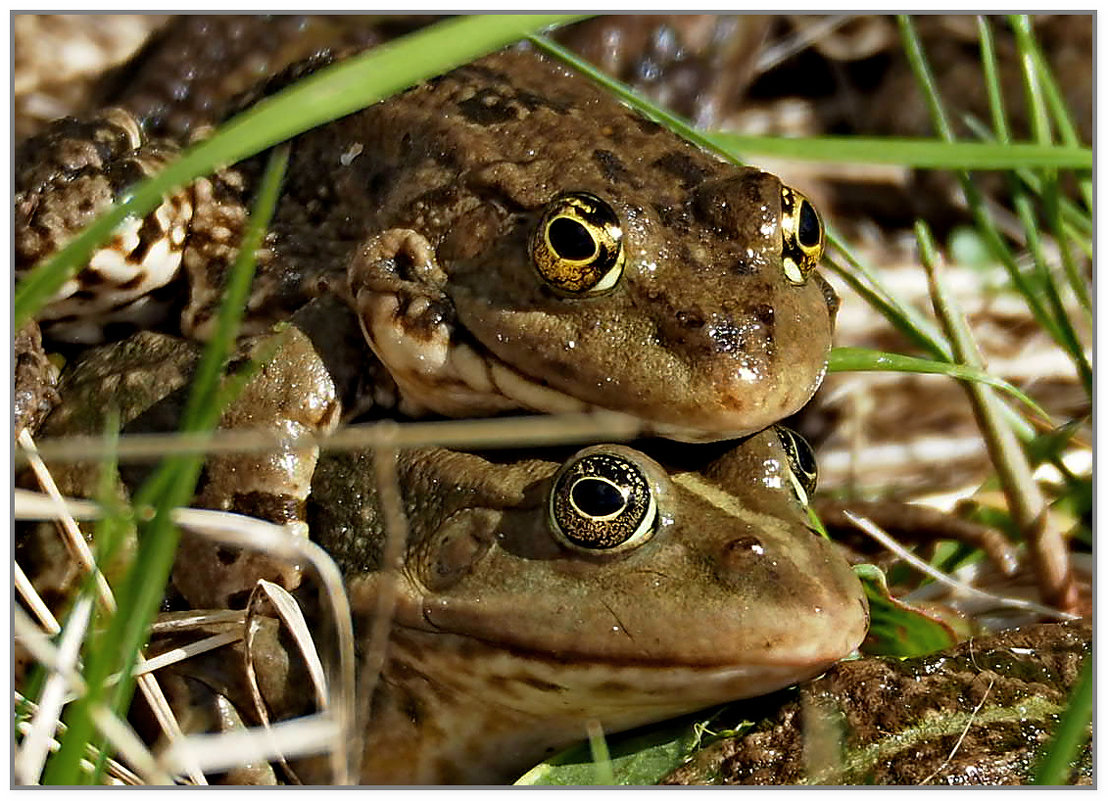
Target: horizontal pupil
column 808, row 231
column 597, row 498
column 571, row 240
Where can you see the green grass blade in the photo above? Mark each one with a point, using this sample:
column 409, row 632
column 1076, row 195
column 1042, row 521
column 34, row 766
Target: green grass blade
column 997, row 113
column 985, row 224
column 679, row 126
column 1051, row 95
column 331, row 93
column 907, row 320
column 864, row 359
column 922, row 153
column 1073, row 730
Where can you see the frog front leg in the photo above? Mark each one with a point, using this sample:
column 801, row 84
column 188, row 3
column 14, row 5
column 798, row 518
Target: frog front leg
column 291, row 395
column 66, row 177
column 399, row 291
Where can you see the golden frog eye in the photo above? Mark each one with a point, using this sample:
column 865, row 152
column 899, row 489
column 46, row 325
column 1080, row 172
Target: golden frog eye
column 801, row 236
column 578, row 245
column 602, row 502
column 803, row 470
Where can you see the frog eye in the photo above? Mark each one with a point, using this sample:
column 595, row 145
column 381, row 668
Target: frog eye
column 578, row 245
column 803, row 471
column 801, row 236
column 602, row 502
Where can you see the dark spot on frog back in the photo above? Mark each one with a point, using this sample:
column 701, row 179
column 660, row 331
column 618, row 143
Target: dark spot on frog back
column 683, row 167
column 613, row 168
column 489, row 107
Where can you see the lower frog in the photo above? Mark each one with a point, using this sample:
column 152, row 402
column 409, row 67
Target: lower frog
column 535, row 596
column 510, row 235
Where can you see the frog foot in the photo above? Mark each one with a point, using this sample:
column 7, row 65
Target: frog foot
column 77, row 170
column 398, row 291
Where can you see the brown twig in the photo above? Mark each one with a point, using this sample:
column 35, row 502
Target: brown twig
column 1026, row 504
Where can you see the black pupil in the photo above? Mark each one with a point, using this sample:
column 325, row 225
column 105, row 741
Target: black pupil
column 571, row 240
column 597, row 498
column 808, row 231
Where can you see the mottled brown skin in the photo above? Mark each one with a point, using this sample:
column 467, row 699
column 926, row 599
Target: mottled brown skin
column 33, row 392
column 145, row 379
column 506, row 641
column 977, row 714
column 703, row 334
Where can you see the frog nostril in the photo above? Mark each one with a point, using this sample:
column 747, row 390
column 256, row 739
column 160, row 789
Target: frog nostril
column 740, row 553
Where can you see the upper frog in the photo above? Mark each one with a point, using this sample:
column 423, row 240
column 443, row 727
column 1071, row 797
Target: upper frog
column 511, row 237
column 536, row 595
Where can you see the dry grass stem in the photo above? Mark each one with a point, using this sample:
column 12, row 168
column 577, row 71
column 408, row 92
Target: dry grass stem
column 1026, row 504
column 43, row 649
column 30, row 596
column 130, row 747
column 392, row 558
column 290, row 614
column 874, row 531
column 962, row 736
column 303, row 736
column 175, row 655
column 31, row 756
column 115, row 769
column 192, row 620
column 490, row 433
column 288, row 610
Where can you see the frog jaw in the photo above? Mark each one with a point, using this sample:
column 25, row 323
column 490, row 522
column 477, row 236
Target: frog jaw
column 487, row 714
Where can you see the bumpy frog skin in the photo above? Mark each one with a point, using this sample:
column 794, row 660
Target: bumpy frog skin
column 511, row 236
column 512, row 631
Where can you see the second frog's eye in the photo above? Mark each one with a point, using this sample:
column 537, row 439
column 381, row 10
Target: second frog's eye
column 602, row 502
column 578, row 245
column 803, row 471
column 801, row 236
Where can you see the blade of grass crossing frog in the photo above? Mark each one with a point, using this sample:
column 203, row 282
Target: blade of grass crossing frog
column 864, row 359
column 171, row 486
column 331, row 93
column 1060, row 752
column 918, row 153
column 671, row 121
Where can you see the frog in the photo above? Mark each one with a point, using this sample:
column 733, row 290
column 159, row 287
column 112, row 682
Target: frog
column 537, row 593
column 511, row 237
column 537, row 590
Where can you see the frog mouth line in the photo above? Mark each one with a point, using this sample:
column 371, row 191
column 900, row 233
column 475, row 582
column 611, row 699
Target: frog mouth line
column 626, row 684
column 438, row 371
column 442, row 371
